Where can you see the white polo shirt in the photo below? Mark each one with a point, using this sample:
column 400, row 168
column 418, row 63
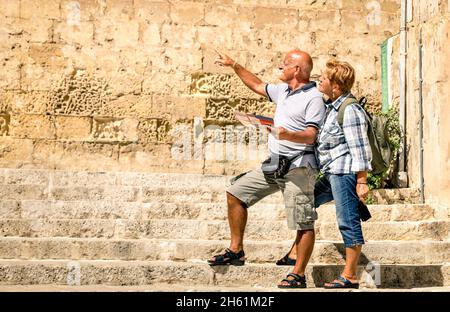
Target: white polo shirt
column 295, row 111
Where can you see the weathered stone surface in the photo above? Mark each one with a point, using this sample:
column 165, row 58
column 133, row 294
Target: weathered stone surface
column 30, row 9
column 184, row 12
column 9, row 209
column 143, row 273
column 152, row 11
column 114, row 129
column 32, row 127
column 73, row 128
column 10, row 8
column 94, row 193
column 78, row 94
column 37, row 30
column 61, row 178
column 26, row 176
column 93, row 209
column 15, row 151
column 81, row 33
column 76, row 155
column 23, row 192
column 191, row 250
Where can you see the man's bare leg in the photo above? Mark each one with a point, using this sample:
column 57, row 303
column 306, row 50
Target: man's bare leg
column 304, row 248
column 237, row 219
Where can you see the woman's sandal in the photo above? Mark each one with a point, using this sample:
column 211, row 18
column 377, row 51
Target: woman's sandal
column 297, row 281
column 341, row 282
column 228, row 257
column 286, row 260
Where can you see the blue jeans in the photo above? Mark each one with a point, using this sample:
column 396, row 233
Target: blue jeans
column 342, row 188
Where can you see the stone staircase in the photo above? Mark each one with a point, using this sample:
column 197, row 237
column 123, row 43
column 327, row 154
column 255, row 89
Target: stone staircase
column 134, row 229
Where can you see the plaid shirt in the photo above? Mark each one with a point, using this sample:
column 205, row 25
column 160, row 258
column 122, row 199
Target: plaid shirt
column 344, row 151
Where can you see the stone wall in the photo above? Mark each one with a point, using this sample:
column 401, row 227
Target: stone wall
column 433, row 18
column 131, row 84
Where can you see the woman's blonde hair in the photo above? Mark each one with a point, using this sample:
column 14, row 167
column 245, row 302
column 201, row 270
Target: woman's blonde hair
column 341, row 73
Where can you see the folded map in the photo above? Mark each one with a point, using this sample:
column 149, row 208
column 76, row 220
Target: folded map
column 248, row 119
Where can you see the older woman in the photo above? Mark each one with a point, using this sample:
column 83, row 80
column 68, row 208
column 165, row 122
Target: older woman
column 344, row 154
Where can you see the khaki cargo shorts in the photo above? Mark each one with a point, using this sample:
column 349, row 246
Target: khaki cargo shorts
column 298, row 192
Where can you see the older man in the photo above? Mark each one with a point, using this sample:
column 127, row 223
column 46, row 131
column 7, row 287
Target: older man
column 299, row 114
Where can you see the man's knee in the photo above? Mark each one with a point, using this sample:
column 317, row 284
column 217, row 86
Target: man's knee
column 233, row 201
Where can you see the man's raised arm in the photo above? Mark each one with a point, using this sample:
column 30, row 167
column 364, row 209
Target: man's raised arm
column 250, row 80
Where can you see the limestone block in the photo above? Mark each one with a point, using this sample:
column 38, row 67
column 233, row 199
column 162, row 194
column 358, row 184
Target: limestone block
column 228, row 16
column 118, row 9
column 36, row 77
column 78, row 94
column 184, row 60
column 24, row 192
column 114, row 129
column 151, row 34
column 129, row 105
column 76, row 155
column 179, row 36
column 9, row 209
column 223, row 109
column 69, row 178
column 94, row 193
column 152, row 11
column 34, row 102
column 73, row 128
column 81, row 33
column 239, row 90
column 214, row 85
column 275, row 16
column 153, row 131
column 428, row 9
column 75, row 11
column 129, row 74
column 119, row 33
column 181, row 107
column 318, row 20
column 32, row 126
column 26, row 177
column 31, row 9
column 10, row 8
column 9, row 72
column 4, row 125
column 37, row 30
column 184, row 12
column 215, row 37
column 14, row 151
column 157, row 158
column 157, row 81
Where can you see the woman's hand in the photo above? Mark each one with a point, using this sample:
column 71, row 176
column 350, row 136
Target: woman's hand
column 362, row 190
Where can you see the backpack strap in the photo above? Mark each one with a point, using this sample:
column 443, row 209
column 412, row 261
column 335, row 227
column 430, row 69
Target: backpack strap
column 348, row 101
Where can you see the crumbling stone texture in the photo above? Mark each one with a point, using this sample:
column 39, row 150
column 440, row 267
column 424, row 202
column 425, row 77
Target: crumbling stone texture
column 122, row 76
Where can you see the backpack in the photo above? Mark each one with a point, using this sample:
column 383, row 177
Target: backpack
column 377, row 132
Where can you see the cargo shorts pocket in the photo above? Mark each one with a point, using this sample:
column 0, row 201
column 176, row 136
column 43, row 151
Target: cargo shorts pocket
column 234, row 179
column 304, row 210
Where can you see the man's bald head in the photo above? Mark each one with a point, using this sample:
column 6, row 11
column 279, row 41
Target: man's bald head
column 302, row 59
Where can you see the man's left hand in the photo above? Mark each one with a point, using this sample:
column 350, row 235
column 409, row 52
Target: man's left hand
column 280, row 133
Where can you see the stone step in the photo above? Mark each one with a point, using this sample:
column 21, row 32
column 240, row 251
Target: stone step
column 180, row 290
column 98, row 209
column 71, row 185
column 205, row 229
column 101, row 272
column 193, row 194
column 327, row 252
